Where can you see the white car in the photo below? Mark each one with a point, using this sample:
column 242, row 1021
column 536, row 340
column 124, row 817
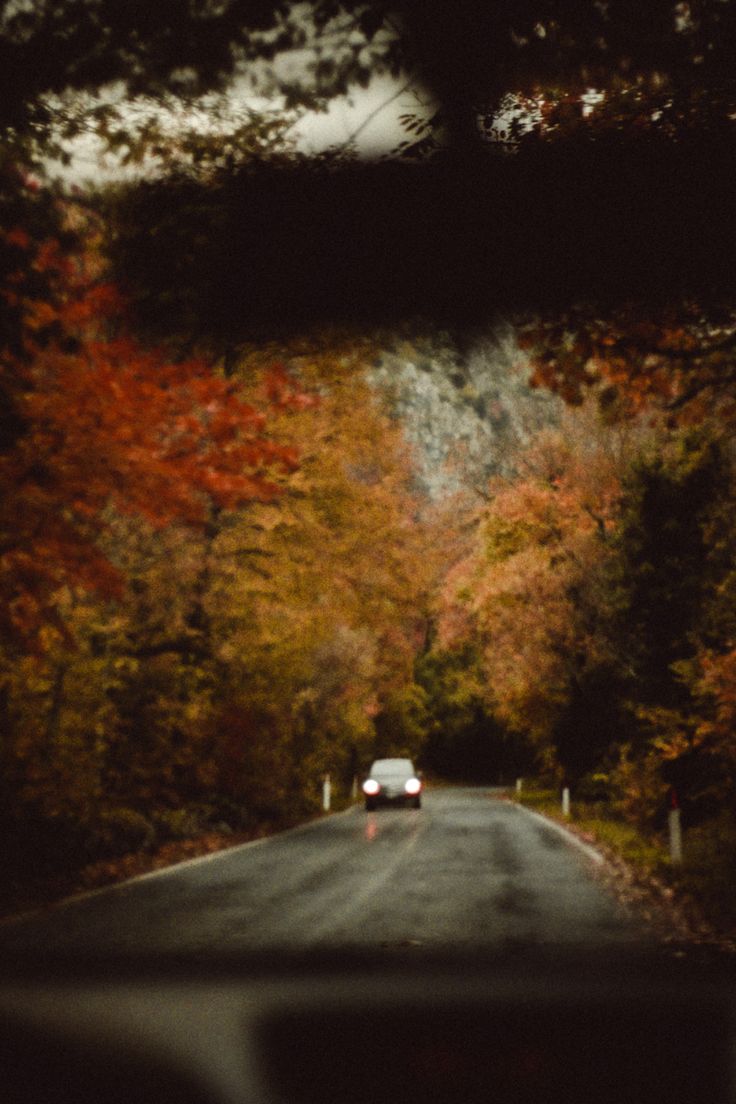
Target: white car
column 392, row 781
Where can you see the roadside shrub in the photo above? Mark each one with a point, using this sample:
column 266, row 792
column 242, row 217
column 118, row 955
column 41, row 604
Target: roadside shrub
column 229, row 815
column 592, row 788
column 644, row 853
column 179, row 824
column 43, row 845
column 638, row 791
column 219, row 814
column 120, row 831
column 709, row 865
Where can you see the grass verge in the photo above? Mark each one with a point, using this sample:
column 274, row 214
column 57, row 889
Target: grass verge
column 691, row 903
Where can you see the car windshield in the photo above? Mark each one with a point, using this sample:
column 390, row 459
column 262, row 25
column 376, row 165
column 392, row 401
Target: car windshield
column 367, row 392
column 386, row 768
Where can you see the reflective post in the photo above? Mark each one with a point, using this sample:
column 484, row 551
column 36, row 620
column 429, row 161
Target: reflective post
column 326, row 793
column 675, row 828
column 566, row 801
column 519, row 785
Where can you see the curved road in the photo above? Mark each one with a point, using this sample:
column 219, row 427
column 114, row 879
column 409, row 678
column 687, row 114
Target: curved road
column 466, row 869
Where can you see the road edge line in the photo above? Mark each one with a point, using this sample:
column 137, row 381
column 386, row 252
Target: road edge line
column 570, row 837
column 112, row 887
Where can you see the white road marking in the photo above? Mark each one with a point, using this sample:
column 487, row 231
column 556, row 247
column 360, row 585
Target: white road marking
column 570, row 837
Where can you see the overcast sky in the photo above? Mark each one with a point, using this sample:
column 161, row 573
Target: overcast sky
column 372, row 116
column 368, row 118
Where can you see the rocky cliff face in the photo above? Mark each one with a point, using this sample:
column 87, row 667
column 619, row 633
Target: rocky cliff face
column 466, row 412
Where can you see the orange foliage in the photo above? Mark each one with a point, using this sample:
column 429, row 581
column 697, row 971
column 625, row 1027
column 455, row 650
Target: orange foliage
column 718, row 684
column 677, row 361
column 106, row 423
column 532, row 591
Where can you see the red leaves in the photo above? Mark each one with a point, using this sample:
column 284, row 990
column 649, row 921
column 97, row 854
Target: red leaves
column 18, row 237
column 111, row 424
column 673, row 360
column 282, row 393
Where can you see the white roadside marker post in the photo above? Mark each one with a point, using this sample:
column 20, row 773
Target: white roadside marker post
column 326, row 793
column 674, row 824
column 566, row 801
column 519, row 785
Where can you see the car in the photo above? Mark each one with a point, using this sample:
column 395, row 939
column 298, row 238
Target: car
column 392, row 781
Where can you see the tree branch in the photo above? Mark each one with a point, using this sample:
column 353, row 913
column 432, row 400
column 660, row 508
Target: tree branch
column 376, row 111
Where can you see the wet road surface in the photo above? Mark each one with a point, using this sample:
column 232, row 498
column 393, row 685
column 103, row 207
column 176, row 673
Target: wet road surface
column 467, row 869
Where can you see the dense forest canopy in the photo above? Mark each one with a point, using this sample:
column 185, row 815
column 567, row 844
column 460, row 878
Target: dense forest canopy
column 620, row 117
column 672, row 59
column 221, row 571
column 613, row 185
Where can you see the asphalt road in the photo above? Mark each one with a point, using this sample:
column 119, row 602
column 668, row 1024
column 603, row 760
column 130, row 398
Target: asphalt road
column 467, row 869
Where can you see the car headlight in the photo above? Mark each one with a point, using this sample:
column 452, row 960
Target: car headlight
column 370, row 787
column 412, row 786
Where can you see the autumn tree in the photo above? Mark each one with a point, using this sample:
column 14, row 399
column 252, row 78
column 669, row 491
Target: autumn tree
column 673, row 565
column 465, row 740
column 102, row 428
column 252, row 641
column 334, row 578
column 597, row 602
column 534, row 595
column 107, row 422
